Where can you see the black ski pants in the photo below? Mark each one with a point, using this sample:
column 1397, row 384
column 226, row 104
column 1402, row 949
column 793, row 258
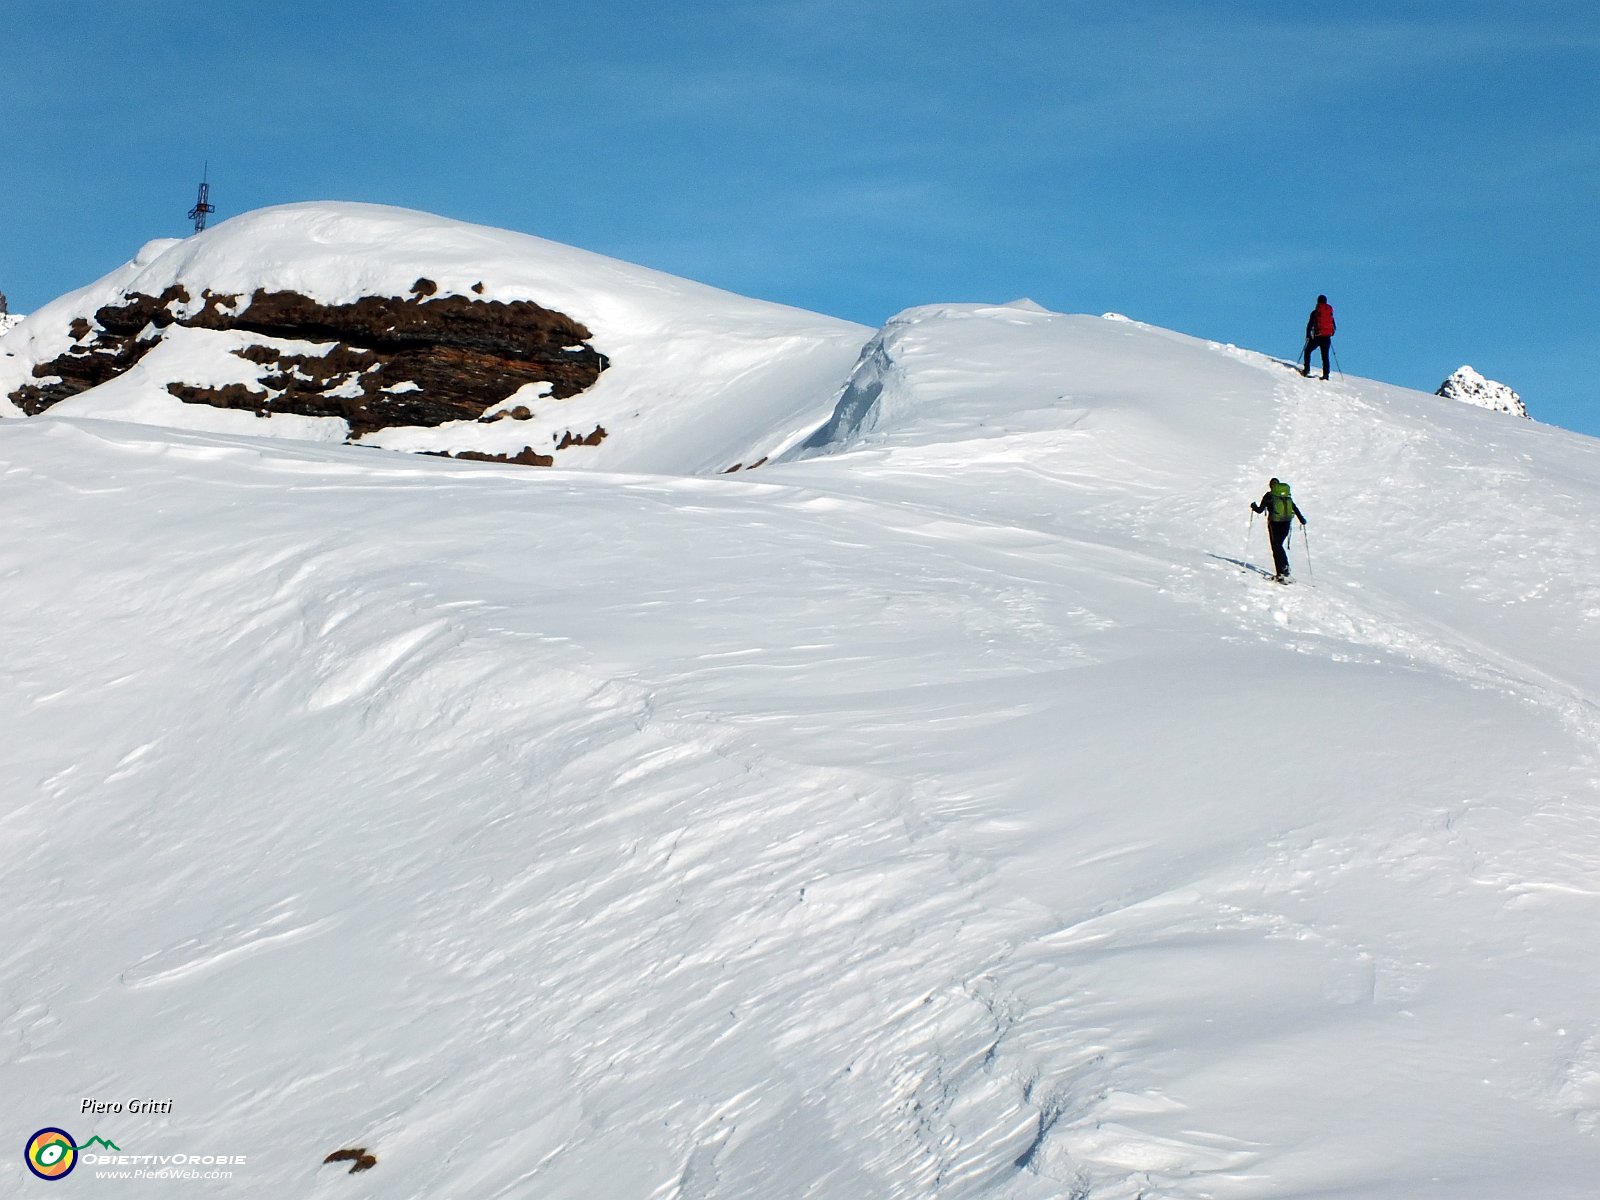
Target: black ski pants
column 1317, row 343
column 1278, row 531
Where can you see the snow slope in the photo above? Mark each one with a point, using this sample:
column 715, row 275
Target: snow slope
column 700, row 379
column 952, row 810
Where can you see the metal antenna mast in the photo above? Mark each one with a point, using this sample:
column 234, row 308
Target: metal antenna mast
column 202, row 206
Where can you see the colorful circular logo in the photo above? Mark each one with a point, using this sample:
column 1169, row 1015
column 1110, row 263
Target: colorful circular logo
column 52, row 1154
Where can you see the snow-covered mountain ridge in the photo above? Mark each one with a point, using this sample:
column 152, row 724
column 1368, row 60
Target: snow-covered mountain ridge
column 401, row 330
column 948, row 809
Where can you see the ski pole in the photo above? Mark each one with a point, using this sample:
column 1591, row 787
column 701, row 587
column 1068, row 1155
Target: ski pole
column 1306, row 542
column 1249, row 536
column 1336, row 365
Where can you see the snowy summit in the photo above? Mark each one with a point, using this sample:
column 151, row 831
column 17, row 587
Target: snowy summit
column 1470, row 387
column 952, row 807
column 394, row 329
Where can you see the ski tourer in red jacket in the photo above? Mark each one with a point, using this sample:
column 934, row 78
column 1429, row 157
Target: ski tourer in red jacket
column 1319, row 332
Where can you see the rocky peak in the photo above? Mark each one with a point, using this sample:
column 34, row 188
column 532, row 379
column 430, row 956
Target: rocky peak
column 386, row 328
column 381, row 361
column 1472, row 388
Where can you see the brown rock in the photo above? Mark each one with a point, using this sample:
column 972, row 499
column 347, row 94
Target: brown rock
column 520, row 413
column 464, row 356
column 526, row 457
column 357, row 1156
column 589, row 439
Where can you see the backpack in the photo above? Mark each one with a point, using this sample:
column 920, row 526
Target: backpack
column 1280, row 505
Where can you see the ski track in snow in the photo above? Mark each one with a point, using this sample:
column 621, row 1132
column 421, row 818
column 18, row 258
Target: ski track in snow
column 1315, row 428
column 732, row 907
column 1314, row 432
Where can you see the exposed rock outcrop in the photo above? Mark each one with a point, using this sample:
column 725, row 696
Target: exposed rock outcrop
column 381, row 361
column 1470, row 387
column 403, row 331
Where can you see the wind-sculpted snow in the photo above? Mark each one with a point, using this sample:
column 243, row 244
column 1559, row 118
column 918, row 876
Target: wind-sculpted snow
column 951, row 811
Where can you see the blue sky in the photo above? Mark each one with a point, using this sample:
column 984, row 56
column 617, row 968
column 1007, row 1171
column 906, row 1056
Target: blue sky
column 1210, row 167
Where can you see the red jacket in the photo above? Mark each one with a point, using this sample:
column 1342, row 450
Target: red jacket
column 1321, row 322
